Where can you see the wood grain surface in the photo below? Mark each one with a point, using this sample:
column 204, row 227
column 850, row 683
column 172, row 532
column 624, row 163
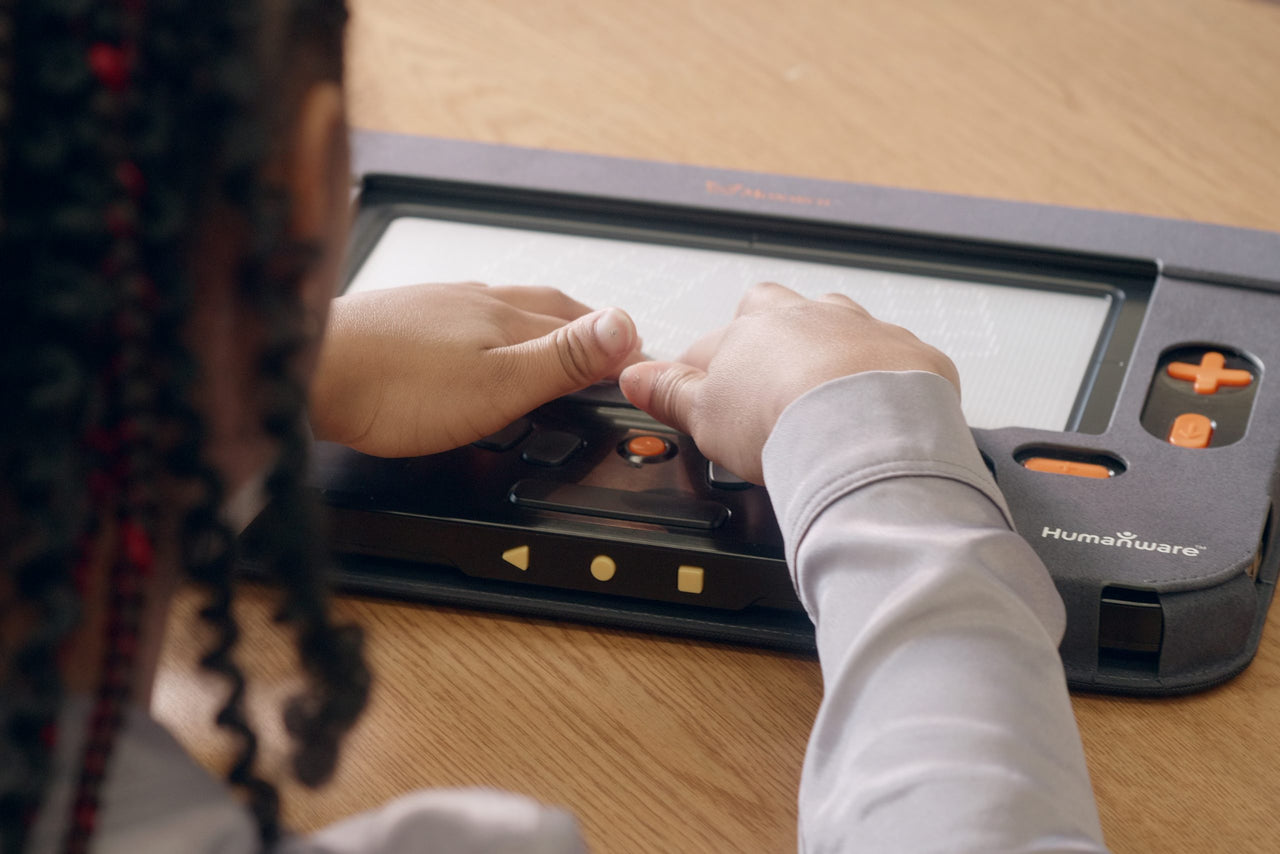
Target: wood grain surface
column 1163, row 107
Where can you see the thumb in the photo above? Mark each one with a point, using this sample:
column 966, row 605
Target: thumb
column 573, row 356
column 665, row 390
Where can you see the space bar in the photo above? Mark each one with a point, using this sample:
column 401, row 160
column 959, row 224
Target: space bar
column 608, row 503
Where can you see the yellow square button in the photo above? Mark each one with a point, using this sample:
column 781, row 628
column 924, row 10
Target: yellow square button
column 689, row 579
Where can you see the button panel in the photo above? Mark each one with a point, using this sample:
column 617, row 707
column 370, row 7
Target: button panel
column 1201, row 396
column 660, row 509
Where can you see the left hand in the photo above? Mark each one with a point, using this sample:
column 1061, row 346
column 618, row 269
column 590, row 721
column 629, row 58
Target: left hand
column 421, row 369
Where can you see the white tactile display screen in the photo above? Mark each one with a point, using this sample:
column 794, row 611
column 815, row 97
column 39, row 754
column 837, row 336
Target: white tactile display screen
column 1022, row 352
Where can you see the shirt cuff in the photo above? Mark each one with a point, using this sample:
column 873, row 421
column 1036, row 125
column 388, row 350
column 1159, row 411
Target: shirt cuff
column 863, row 428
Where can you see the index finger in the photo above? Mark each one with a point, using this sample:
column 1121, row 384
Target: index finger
column 845, row 300
column 699, row 353
column 764, row 296
column 541, row 299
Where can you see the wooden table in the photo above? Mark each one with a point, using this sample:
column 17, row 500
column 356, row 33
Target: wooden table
column 1165, row 107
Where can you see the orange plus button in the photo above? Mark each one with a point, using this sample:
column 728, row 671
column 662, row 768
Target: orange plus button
column 1191, row 430
column 1210, row 373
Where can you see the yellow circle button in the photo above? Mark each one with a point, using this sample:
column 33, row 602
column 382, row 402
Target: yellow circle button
column 603, row 567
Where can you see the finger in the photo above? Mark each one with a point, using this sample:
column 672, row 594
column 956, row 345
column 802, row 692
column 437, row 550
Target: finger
column 843, row 299
column 522, row 326
column 635, row 357
column 522, row 317
column 701, row 351
column 764, row 296
column 539, row 299
column 665, row 390
column 572, row 356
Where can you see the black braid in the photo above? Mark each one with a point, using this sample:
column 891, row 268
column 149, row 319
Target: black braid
column 332, row 656
column 189, row 135
column 123, row 441
column 208, row 545
column 54, row 308
column 6, row 81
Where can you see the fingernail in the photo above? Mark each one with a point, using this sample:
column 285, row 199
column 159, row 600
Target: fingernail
column 614, row 331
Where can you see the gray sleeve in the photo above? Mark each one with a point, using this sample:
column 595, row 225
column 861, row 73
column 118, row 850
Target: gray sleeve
column 945, row 722
column 459, row 821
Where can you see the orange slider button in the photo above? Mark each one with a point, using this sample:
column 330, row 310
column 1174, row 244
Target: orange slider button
column 1071, row 467
column 1191, row 430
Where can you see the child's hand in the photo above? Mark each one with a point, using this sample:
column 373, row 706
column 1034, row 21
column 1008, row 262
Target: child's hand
column 729, row 389
column 416, row 370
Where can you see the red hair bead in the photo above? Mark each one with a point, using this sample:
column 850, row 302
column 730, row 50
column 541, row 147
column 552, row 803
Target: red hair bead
column 87, row 816
column 109, row 65
column 131, row 178
column 137, row 545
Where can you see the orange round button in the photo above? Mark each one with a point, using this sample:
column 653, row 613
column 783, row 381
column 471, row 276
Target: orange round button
column 1191, row 430
column 647, row 446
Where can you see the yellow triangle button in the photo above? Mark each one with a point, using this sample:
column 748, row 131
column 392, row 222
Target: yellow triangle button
column 517, row 557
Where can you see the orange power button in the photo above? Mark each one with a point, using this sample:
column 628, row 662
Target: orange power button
column 1191, row 430
column 647, row 446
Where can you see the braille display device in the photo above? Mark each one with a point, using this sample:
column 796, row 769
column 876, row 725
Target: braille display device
column 1116, row 374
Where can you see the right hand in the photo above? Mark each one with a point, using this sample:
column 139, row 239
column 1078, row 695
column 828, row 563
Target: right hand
column 728, row 390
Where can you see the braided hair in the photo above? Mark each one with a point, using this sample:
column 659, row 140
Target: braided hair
column 122, row 126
